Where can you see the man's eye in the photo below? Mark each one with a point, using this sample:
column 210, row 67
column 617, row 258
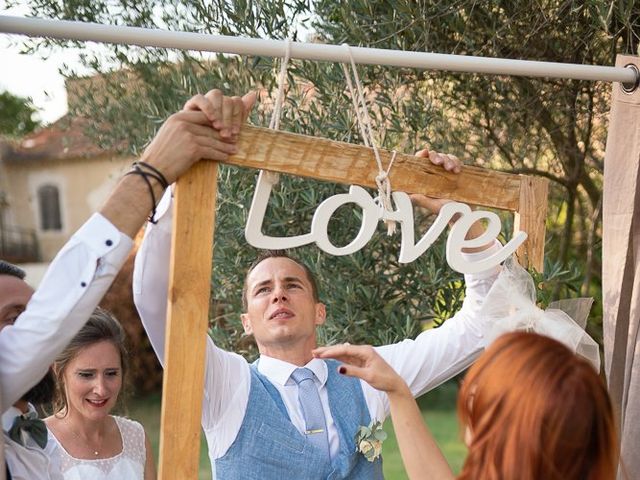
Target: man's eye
column 262, row 290
column 294, row 285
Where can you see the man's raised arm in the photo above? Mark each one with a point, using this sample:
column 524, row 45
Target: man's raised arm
column 85, row 267
column 227, row 376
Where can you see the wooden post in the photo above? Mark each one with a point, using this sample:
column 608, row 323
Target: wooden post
column 187, row 322
column 531, row 218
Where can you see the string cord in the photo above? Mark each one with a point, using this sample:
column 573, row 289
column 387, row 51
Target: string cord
column 366, row 131
column 276, row 115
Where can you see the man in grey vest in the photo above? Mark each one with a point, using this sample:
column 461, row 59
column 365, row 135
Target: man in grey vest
column 289, row 414
column 36, row 326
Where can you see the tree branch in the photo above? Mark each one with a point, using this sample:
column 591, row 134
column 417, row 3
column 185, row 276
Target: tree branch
column 540, row 173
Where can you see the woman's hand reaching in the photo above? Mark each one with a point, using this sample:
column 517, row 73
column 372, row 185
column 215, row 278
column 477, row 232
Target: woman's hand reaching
column 363, row 361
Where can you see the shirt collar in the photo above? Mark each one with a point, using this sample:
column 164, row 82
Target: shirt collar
column 11, row 413
column 279, row 371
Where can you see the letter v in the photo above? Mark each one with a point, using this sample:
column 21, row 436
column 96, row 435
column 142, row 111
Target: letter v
column 410, row 251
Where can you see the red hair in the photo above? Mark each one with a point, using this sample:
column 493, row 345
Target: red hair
column 536, row 411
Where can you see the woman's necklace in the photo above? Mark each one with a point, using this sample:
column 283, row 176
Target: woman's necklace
column 84, row 442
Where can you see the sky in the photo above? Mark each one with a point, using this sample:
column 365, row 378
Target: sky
column 31, row 76
column 34, row 76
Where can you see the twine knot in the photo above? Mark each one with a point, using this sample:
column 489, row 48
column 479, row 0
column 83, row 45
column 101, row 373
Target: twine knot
column 364, row 123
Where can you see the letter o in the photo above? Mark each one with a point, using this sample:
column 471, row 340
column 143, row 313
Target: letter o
column 370, row 217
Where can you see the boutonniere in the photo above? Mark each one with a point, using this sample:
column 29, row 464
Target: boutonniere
column 369, row 440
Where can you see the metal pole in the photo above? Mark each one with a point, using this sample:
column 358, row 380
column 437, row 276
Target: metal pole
column 62, row 29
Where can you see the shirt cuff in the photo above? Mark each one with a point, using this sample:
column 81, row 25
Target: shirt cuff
column 101, row 236
column 477, row 256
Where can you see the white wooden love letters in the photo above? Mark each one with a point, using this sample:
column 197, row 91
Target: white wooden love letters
column 372, row 213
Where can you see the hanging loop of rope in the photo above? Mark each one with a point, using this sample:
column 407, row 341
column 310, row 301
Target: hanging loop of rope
column 366, row 131
column 274, row 124
column 276, row 115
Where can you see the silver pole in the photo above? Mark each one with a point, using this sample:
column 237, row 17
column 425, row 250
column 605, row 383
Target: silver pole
column 68, row 30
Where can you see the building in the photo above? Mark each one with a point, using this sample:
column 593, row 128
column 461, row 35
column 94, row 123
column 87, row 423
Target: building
column 51, row 181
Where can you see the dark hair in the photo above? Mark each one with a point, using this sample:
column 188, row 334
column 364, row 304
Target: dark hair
column 536, row 410
column 101, row 326
column 264, row 255
column 7, row 268
column 43, row 392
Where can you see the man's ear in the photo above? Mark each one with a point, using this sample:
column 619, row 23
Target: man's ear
column 246, row 323
column 321, row 313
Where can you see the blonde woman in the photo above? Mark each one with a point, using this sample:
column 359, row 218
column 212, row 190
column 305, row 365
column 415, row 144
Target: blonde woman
column 85, row 440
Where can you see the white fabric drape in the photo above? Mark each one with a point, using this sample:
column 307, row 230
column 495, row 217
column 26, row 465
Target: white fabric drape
column 621, row 267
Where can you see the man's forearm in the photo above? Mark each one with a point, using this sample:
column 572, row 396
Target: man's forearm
column 476, row 230
column 129, row 204
column 184, row 138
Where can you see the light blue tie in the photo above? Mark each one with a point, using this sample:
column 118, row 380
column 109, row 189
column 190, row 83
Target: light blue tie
column 316, row 427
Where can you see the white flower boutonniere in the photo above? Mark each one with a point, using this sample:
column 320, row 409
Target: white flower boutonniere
column 369, row 440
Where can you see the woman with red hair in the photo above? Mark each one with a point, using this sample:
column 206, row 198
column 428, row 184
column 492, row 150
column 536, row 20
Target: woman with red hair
column 530, row 407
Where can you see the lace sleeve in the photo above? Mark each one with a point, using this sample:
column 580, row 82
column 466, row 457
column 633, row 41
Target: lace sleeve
column 133, row 444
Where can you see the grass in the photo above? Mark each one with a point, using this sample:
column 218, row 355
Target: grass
column 438, row 410
column 146, row 410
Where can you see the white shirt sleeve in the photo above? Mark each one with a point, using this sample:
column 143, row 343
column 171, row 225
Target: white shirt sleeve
column 227, row 375
column 74, row 284
column 438, row 354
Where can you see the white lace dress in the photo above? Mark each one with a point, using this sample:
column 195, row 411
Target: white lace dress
column 127, row 465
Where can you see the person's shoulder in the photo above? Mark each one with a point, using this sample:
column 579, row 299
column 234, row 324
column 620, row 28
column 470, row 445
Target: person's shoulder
column 130, row 429
column 125, row 421
column 134, row 438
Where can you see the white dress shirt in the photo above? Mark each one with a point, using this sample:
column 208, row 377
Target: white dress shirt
column 74, row 284
column 28, row 461
column 433, row 357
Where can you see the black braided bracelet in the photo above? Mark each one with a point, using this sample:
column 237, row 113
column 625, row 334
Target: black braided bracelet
column 151, row 173
column 147, row 174
column 136, row 170
column 158, row 174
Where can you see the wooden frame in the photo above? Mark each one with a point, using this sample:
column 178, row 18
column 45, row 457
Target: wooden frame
column 192, row 247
